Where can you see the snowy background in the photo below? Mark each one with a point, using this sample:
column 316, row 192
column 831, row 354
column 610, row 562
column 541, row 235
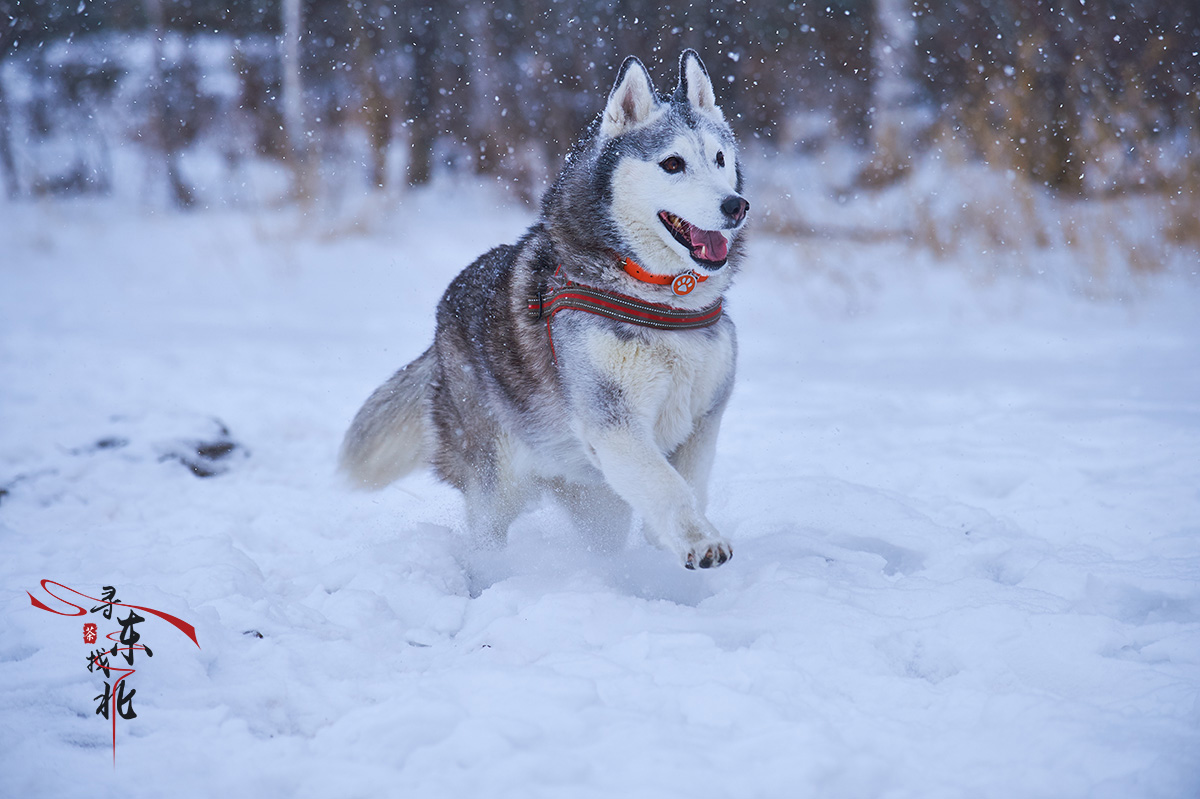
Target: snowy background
column 961, row 471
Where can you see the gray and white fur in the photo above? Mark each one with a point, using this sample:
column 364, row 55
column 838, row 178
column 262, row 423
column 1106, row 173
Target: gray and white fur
column 619, row 418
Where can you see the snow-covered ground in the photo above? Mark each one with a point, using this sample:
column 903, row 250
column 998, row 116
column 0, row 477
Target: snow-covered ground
column 965, row 508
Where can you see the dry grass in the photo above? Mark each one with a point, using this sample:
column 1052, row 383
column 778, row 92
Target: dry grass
column 991, row 218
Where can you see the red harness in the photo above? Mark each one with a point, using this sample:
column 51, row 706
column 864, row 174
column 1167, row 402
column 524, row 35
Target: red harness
column 611, row 305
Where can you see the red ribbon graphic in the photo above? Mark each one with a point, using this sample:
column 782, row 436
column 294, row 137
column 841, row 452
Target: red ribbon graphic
column 179, row 624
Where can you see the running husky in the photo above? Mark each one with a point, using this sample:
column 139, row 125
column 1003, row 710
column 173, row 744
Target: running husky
column 592, row 358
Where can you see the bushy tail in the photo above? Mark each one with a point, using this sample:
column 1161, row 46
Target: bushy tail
column 389, row 436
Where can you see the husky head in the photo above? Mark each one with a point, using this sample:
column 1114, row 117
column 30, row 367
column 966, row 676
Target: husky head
column 658, row 179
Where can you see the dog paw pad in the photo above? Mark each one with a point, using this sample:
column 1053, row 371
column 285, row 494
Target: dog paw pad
column 714, row 555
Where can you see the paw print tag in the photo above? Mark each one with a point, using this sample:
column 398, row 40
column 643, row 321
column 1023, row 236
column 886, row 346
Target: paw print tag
column 683, row 284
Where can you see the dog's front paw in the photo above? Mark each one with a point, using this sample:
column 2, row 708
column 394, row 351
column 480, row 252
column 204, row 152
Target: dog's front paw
column 708, row 554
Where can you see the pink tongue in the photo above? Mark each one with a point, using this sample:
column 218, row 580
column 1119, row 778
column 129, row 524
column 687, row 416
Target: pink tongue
column 708, row 245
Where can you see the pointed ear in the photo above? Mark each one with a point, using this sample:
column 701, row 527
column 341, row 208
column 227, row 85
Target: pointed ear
column 631, row 102
column 695, row 86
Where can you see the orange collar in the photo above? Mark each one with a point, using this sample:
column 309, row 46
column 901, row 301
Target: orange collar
column 680, row 284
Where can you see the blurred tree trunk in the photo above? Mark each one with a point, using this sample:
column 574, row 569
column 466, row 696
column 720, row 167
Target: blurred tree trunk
column 893, row 90
column 487, row 84
column 299, row 150
column 421, row 105
column 499, row 127
column 1062, row 108
column 7, row 164
column 161, row 136
column 376, row 108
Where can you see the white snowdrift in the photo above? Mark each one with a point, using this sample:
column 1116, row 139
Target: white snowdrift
column 965, row 520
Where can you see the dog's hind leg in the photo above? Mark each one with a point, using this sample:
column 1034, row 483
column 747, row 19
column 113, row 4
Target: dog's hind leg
column 489, row 514
column 598, row 513
column 495, row 495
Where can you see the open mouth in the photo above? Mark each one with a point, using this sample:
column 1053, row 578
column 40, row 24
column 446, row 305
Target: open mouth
column 708, row 247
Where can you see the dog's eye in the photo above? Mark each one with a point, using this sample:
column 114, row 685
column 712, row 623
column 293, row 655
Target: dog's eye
column 672, row 165
column 720, row 159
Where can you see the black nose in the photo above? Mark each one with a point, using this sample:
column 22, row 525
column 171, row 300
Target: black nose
column 735, row 208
